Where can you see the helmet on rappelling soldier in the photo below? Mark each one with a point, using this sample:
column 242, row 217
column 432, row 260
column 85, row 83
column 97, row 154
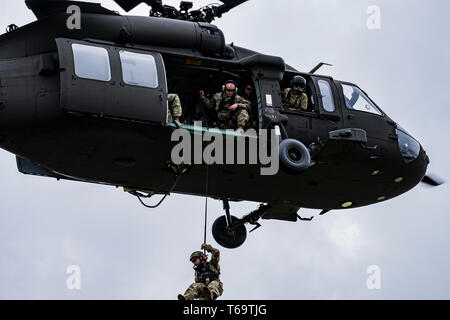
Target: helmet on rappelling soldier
column 197, row 254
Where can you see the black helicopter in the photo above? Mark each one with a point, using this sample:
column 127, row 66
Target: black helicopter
column 69, row 110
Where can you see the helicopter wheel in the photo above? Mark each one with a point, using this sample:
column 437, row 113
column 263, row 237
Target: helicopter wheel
column 226, row 237
column 294, row 156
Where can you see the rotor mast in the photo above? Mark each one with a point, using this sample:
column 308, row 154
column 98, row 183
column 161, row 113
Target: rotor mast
column 204, row 14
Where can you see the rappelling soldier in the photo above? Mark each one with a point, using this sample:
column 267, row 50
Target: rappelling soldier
column 207, row 285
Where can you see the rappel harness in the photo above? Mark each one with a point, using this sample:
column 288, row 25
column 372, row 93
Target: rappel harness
column 205, row 273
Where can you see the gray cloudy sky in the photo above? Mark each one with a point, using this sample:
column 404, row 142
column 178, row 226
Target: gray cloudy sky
column 128, row 252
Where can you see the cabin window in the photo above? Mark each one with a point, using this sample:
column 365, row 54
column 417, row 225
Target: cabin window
column 91, row 62
column 326, row 95
column 139, row 69
column 355, row 99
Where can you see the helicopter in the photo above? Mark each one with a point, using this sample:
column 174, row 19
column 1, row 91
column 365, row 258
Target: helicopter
column 90, row 104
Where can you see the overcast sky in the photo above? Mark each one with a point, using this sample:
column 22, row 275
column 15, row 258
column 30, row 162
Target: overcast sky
column 128, row 252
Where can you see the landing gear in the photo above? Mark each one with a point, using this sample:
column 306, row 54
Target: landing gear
column 223, row 232
column 294, row 156
column 230, row 232
column 226, row 236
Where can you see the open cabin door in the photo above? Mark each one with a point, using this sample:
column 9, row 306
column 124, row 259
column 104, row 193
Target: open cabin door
column 112, row 81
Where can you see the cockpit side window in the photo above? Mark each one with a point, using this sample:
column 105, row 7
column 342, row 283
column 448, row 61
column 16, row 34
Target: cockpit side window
column 355, row 99
column 326, row 95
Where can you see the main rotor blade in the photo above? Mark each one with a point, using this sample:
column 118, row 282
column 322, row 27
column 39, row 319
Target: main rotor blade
column 432, row 180
column 45, row 8
column 129, row 5
column 227, row 6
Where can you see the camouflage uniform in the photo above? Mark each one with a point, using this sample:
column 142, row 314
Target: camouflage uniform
column 295, row 101
column 200, row 290
column 175, row 110
column 253, row 112
column 228, row 119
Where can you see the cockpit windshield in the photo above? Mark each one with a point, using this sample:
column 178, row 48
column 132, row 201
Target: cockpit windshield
column 355, row 99
column 409, row 147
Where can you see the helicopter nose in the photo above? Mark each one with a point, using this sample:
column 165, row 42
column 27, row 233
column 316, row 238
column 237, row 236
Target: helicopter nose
column 410, row 148
column 430, row 179
column 414, row 157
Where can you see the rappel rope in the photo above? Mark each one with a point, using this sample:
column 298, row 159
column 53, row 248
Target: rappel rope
column 206, row 207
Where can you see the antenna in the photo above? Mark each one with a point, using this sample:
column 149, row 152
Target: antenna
column 319, row 66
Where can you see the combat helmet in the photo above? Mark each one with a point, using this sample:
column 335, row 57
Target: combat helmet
column 298, row 84
column 197, row 254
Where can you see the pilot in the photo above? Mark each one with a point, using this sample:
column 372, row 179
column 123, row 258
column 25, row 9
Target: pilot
column 295, row 97
column 232, row 109
column 175, row 109
column 207, row 285
column 249, row 94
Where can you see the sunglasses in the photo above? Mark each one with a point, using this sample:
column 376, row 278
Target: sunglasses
column 249, row 89
column 231, row 90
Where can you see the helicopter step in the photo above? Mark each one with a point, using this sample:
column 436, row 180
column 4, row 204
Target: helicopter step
column 230, row 232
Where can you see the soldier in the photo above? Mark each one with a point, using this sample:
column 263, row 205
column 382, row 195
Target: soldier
column 175, row 110
column 207, row 284
column 232, row 109
column 249, row 95
column 295, row 97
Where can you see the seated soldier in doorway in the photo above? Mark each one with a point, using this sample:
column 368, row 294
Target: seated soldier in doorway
column 175, row 110
column 231, row 109
column 249, row 94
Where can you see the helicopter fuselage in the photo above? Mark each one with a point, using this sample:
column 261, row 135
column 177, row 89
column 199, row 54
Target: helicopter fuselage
column 108, row 129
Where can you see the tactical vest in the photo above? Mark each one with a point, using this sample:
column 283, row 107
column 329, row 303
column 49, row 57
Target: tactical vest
column 206, row 273
column 298, row 101
column 222, row 106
